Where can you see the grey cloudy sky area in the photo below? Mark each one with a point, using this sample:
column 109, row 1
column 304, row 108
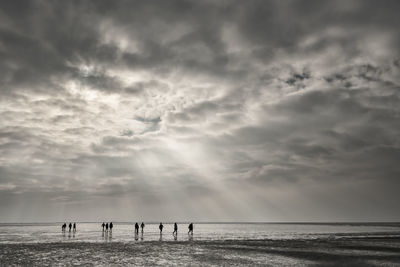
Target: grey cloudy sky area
column 199, row 110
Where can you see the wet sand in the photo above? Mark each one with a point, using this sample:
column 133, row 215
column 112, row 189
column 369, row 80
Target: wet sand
column 350, row 251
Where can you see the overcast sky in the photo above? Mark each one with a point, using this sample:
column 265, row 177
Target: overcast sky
column 199, row 110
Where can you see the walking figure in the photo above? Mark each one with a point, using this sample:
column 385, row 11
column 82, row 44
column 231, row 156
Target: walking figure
column 136, row 228
column 175, row 229
column 74, row 227
column 142, row 226
column 106, row 227
column 161, row 227
column 111, row 226
column 103, row 225
column 70, row 226
column 190, row 228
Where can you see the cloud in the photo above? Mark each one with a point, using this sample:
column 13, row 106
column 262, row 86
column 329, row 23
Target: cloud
column 260, row 110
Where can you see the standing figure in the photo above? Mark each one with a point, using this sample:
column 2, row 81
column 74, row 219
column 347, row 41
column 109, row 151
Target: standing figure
column 136, row 228
column 70, row 226
column 111, row 226
column 103, row 225
column 190, row 228
column 175, row 229
column 142, row 226
column 74, row 228
column 161, row 226
column 106, row 227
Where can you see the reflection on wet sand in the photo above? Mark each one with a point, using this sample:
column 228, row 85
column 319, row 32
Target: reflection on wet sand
column 106, row 235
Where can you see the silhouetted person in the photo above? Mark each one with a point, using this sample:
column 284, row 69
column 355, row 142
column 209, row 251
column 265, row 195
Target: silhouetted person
column 161, row 227
column 63, row 227
column 111, row 226
column 136, row 228
column 106, row 227
column 74, row 227
column 142, row 226
column 70, row 226
column 190, row 228
column 175, row 229
column 103, row 225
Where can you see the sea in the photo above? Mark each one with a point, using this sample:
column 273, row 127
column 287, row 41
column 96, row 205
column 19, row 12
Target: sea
column 211, row 244
column 125, row 232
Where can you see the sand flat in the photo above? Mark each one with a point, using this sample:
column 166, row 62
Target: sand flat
column 353, row 251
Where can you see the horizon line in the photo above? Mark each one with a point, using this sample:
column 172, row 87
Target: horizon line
column 218, row 222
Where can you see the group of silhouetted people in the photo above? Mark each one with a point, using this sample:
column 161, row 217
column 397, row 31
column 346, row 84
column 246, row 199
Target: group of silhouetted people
column 160, row 227
column 107, row 226
column 175, row 232
column 70, row 226
column 137, row 227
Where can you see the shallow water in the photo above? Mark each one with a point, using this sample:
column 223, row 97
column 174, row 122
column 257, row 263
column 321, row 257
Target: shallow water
column 211, row 245
column 124, row 232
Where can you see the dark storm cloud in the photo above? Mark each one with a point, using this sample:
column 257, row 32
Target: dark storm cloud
column 226, row 102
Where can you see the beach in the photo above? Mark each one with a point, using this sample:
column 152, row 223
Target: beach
column 376, row 248
column 351, row 251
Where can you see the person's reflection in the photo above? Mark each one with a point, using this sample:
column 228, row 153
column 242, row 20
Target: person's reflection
column 69, row 235
column 160, row 236
column 63, row 235
column 141, row 237
column 73, row 234
column 175, row 237
column 110, row 236
column 136, row 236
column 190, row 237
column 104, row 236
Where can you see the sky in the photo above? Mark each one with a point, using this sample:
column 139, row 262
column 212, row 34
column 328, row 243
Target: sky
column 233, row 111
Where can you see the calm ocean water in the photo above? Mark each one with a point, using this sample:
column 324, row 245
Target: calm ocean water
column 124, row 232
